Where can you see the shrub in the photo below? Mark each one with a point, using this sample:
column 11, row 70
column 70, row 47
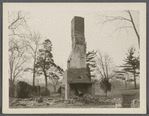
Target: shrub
column 23, row 89
column 105, row 85
column 44, row 91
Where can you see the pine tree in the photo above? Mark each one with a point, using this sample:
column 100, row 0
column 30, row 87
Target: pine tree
column 132, row 64
column 45, row 60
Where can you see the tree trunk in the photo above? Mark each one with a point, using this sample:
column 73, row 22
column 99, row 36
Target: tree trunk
column 45, row 80
column 106, row 93
column 33, row 79
column 11, row 84
column 11, row 88
column 34, row 76
column 34, row 72
column 46, row 83
column 135, row 85
column 11, row 75
column 54, row 88
column 138, row 36
column 126, row 83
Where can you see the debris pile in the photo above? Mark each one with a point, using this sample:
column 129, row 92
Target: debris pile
column 135, row 103
column 40, row 99
column 86, row 99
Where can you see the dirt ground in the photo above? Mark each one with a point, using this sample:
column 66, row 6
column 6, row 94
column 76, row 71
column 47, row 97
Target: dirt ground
column 56, row 101
column 118, row 93
column 53, row 101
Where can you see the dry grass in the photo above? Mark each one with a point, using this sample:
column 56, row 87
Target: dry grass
column 118, row 93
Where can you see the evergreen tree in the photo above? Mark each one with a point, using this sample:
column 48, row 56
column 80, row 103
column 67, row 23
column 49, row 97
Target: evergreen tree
column 132, row 64
column 45, row 60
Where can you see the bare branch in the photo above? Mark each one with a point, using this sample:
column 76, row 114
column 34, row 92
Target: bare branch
column 104, row 64
column 138, row 36
column 17, row 58
column 17, row 24
column 121, row 18
column 119, row 28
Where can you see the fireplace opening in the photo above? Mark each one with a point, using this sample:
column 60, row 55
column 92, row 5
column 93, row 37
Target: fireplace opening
column 79, row 89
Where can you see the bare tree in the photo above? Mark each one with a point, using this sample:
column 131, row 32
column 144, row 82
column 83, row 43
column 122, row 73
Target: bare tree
column 104, row 65
column 105, row 69
column 32, row 43
column 90, row 60
column 17, row 50
column 17, row 59
column 17, row 23
column 129, row 18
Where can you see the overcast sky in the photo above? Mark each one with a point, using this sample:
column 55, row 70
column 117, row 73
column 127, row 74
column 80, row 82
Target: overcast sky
column 54, row 23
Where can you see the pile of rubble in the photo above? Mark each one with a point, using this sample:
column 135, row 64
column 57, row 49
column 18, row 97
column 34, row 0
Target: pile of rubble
column 135, row 103
column 36, row 102
column 21, row 102
column 74, row 100
column 88, row 99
